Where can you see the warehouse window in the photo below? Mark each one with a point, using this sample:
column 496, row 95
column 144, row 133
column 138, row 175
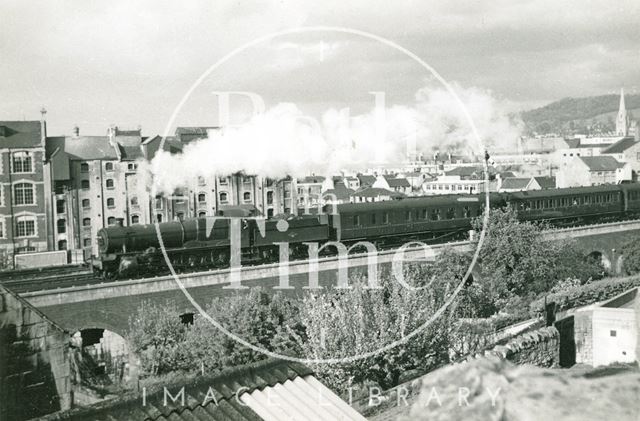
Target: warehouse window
column 269, row 212
column 62, row 245
column 110, row 183
column 159, row 218
column 60, row 206
column 1, row 229
column 86, row 242
column 202, row 198
column 134, row 200
column 84, row 184
column 86, row 204
column 111, row 203
column 111, row 220
column 22, row 162
column 223, row 197
column 23, row 194
column 135, row 219
column 269, row 198
column 84, row 167
column 180, row 216
column 202, row 214
column 223, row 181
column 246, row 196
column 108, row 166
column 61, row 225
column 86, row 222
column 132, row 166
column 201, row 181
column 25, row 226
column 158, row 202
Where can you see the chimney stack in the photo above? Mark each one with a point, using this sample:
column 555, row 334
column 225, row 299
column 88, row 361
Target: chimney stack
column 76, row 131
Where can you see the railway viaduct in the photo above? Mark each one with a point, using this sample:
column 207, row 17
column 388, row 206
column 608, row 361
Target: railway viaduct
column 109, row 305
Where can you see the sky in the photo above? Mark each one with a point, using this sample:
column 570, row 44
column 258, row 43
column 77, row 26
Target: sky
column 98, row 63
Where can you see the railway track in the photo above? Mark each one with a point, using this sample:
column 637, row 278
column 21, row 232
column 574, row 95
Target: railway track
column 27, row 280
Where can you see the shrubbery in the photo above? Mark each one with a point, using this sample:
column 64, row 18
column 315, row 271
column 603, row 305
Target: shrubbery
column 582, row 295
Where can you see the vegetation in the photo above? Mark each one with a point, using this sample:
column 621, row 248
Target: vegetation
column 516, row 266
column 631, row 257
column 577, row 114
column 582, row 295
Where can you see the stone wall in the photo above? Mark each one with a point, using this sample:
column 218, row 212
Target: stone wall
column 539, row 347
column 34, row 364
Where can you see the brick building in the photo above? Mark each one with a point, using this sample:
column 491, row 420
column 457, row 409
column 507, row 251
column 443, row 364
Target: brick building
column 24, row 190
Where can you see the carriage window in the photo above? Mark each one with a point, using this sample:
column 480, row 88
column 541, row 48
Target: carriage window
column 466, row 212
column 451, row 213
column 385, row 217
column 356, row 220
column 435, row 214
column 373, row 219
column 424, row 214
column 408, row 216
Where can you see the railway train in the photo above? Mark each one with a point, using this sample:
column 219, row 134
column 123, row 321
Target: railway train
column 194, row 244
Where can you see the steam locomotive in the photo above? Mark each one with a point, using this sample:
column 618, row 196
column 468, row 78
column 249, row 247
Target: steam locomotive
column 201, row 243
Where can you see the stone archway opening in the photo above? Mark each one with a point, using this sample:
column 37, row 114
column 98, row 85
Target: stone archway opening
column 102, row 360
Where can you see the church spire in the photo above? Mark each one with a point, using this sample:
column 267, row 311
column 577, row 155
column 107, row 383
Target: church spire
column 622, row 106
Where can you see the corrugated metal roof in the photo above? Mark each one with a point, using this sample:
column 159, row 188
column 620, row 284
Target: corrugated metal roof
column 303, row 398
column 398, row 182
column 546, row 182
column 266, row 390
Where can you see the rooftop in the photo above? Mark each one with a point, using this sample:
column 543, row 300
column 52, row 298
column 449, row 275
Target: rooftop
column 519, row 183
column 20, row 134
column 240, row 393
column 601, row 163
column 621, row 145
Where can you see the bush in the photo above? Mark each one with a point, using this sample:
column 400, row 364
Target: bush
column 578, row 296
column 631, row 261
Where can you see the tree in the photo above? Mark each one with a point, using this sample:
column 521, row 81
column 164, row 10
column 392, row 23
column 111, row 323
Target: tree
column 631, row 257
column 157, row 336
column 517, row 263
column 347, row 323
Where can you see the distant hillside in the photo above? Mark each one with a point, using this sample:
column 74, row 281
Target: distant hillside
column 594, row 115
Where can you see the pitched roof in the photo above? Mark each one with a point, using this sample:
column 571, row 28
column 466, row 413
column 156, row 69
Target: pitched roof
column 621, row 145
column 519, row 183
column 312, row 179
column 366, row 179
column 465, row 171
column 601, row 163
column 291, row 386
column 84, row 148
column 398, row 182
column 188, row 134
column 546, row 182
column 20, row 134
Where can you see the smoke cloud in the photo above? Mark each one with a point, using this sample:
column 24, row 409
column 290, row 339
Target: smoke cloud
column 283, row 141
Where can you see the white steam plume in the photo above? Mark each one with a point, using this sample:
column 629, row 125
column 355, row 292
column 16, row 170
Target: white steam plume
column 282, row 141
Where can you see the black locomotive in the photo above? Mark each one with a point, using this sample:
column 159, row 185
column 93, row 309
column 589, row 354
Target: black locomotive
column 199, row 244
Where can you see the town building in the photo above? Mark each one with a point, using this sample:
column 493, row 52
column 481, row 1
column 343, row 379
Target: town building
column 459, row 180
column 25, row 205
column 511, row 184
column 592, row 171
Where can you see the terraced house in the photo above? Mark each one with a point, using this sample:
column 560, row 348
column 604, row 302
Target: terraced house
column 24, row 189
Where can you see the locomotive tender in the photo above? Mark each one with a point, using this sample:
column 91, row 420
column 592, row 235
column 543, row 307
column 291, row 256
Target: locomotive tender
column 200, row 243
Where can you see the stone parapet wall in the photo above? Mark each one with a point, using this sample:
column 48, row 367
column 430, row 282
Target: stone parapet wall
column 34, row 363
column 540, row 347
